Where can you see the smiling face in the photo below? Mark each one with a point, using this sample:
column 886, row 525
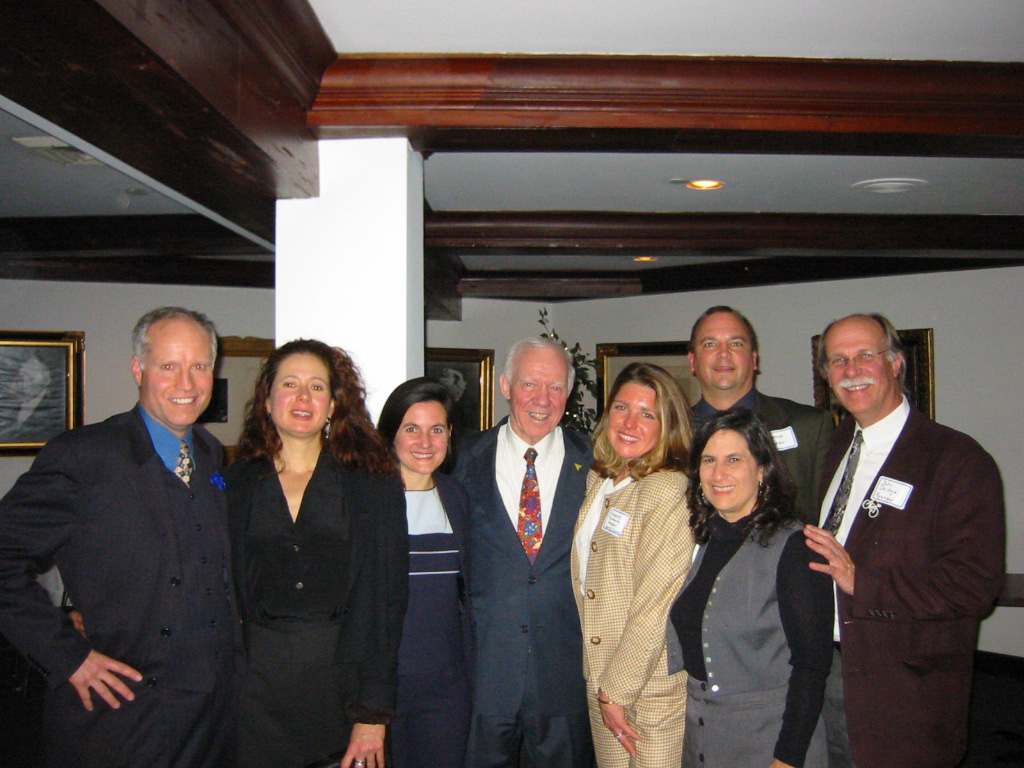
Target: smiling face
column 868, row 391
column 536, row 393
column 729, row 475
column 176, row 377
column 723, row 359
column 300, row 397
column 421, row 443
column 633, row 423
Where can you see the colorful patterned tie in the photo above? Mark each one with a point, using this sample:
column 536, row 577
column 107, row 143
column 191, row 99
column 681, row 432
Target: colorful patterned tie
column 185, row 467
column 835, row 514
column 530, row 532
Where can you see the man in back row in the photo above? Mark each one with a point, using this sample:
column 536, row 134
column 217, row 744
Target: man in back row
column 132, row 511
column 724, row 358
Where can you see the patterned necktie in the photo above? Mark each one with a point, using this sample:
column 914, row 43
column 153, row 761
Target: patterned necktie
column 530, row 532
column 184, row 467
column 835, row 514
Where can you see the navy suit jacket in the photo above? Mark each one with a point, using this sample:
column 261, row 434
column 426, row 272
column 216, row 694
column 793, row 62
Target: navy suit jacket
column 926, row 575
column 525, row 615
column 812, row 428
column 98, row 501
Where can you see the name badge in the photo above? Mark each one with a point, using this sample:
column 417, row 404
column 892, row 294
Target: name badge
column 616, row 522
column 892, row 492
column 785, row 439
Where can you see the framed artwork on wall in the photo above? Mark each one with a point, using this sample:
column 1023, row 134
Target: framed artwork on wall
column 238, row 364
column 920, row 376
column 670, row 355
column 469, row 376
column 41, row 388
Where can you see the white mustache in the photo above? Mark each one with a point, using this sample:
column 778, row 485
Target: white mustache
column 857, row 382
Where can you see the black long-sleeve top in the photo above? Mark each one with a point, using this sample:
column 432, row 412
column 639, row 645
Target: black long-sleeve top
column 806, row 611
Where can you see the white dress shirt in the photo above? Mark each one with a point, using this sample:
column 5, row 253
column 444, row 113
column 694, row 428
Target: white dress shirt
column 510, row 468
column 589, row 525
column 879, row 439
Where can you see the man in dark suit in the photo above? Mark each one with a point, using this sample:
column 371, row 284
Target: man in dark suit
column 530, row 706
column 723, row 358
column 132, row 511
column 913, row 529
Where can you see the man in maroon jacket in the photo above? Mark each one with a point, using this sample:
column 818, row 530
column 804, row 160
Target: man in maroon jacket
column 913, row 528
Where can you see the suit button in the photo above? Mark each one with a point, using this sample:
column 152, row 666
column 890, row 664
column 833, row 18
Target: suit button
column 199, row 527
column 701, row 757
column 714, row 689
column 595, row 641
column 165, row 632
column 593, row 546
column 191, row 497
column 532, row 580
column 296, row 547
column 590, row 594
column 524, row 629
column 299, row 585
column 700, row 721
column 213, row 622
column 151, row 682
column 175, row 581
column 202, row 560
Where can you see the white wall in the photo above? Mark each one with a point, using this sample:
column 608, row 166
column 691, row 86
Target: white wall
column 978, row 319
column 107, row 313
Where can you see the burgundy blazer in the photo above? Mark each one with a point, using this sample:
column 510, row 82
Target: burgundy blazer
column 926, row 575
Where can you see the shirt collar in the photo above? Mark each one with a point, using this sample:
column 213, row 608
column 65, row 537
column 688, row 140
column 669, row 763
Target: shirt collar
column 704, row 411
column 888, row 428
column 166, row 443
column 542, row 446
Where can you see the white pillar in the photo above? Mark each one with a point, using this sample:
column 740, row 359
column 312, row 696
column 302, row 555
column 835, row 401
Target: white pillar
column 350, row 262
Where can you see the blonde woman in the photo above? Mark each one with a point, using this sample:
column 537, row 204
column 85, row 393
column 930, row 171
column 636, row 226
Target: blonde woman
column 631, row 552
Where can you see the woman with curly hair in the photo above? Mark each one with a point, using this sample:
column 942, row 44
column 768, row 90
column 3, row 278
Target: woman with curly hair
column 753, row 623
column 317, row 519
column 631, row 551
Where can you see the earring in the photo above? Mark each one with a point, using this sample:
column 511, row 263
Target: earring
column 327, row 427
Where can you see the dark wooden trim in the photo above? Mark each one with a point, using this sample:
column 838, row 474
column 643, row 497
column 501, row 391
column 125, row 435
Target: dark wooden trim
column 233, row 273
column 551, row 285
column 617, row 233
column 207, row 97
column 172, row 235
column 533, row 97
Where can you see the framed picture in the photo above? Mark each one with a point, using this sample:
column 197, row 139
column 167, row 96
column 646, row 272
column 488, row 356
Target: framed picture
column 238, row 364
column 469, row 376
column 40, row 388
column 920, row 364
column 670, row 355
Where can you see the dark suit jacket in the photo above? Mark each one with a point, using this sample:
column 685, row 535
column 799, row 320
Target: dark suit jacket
column 98, row 500
column 925, row 576
column 813, row 428
column 377, row 585
column 525, row 614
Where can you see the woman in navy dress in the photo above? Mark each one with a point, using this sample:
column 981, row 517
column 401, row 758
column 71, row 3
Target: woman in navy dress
column 431, row 721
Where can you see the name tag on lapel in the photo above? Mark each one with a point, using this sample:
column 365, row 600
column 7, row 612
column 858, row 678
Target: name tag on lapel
column 785, row 439
column 616, row 522
column 892, row 492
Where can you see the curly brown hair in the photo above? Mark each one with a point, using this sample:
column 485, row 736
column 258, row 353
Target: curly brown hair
column 351, row 438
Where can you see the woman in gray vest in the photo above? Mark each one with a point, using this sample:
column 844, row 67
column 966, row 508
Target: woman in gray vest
column 753, row 623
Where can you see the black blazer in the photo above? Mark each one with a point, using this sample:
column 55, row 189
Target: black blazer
column 99, row 501
column 377, row 585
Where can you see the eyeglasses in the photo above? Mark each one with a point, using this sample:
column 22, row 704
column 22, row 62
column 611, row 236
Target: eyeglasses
column 862, row 359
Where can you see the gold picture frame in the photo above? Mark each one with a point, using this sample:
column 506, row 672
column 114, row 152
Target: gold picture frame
column 41, row 388
column 670, row 355
column 238, row 364
column 469, row 376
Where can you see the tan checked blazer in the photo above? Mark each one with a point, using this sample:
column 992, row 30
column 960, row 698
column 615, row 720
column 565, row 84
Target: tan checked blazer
column 632, row 580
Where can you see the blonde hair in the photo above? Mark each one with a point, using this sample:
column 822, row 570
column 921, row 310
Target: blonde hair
column 672, row 449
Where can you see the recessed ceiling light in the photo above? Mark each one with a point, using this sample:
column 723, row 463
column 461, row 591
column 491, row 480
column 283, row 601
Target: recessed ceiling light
column 889, row 186
column 702, row 185
column 645, row 258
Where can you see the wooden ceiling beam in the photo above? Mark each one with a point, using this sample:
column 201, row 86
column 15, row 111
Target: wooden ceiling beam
column 616, row 232
column 682, row 104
